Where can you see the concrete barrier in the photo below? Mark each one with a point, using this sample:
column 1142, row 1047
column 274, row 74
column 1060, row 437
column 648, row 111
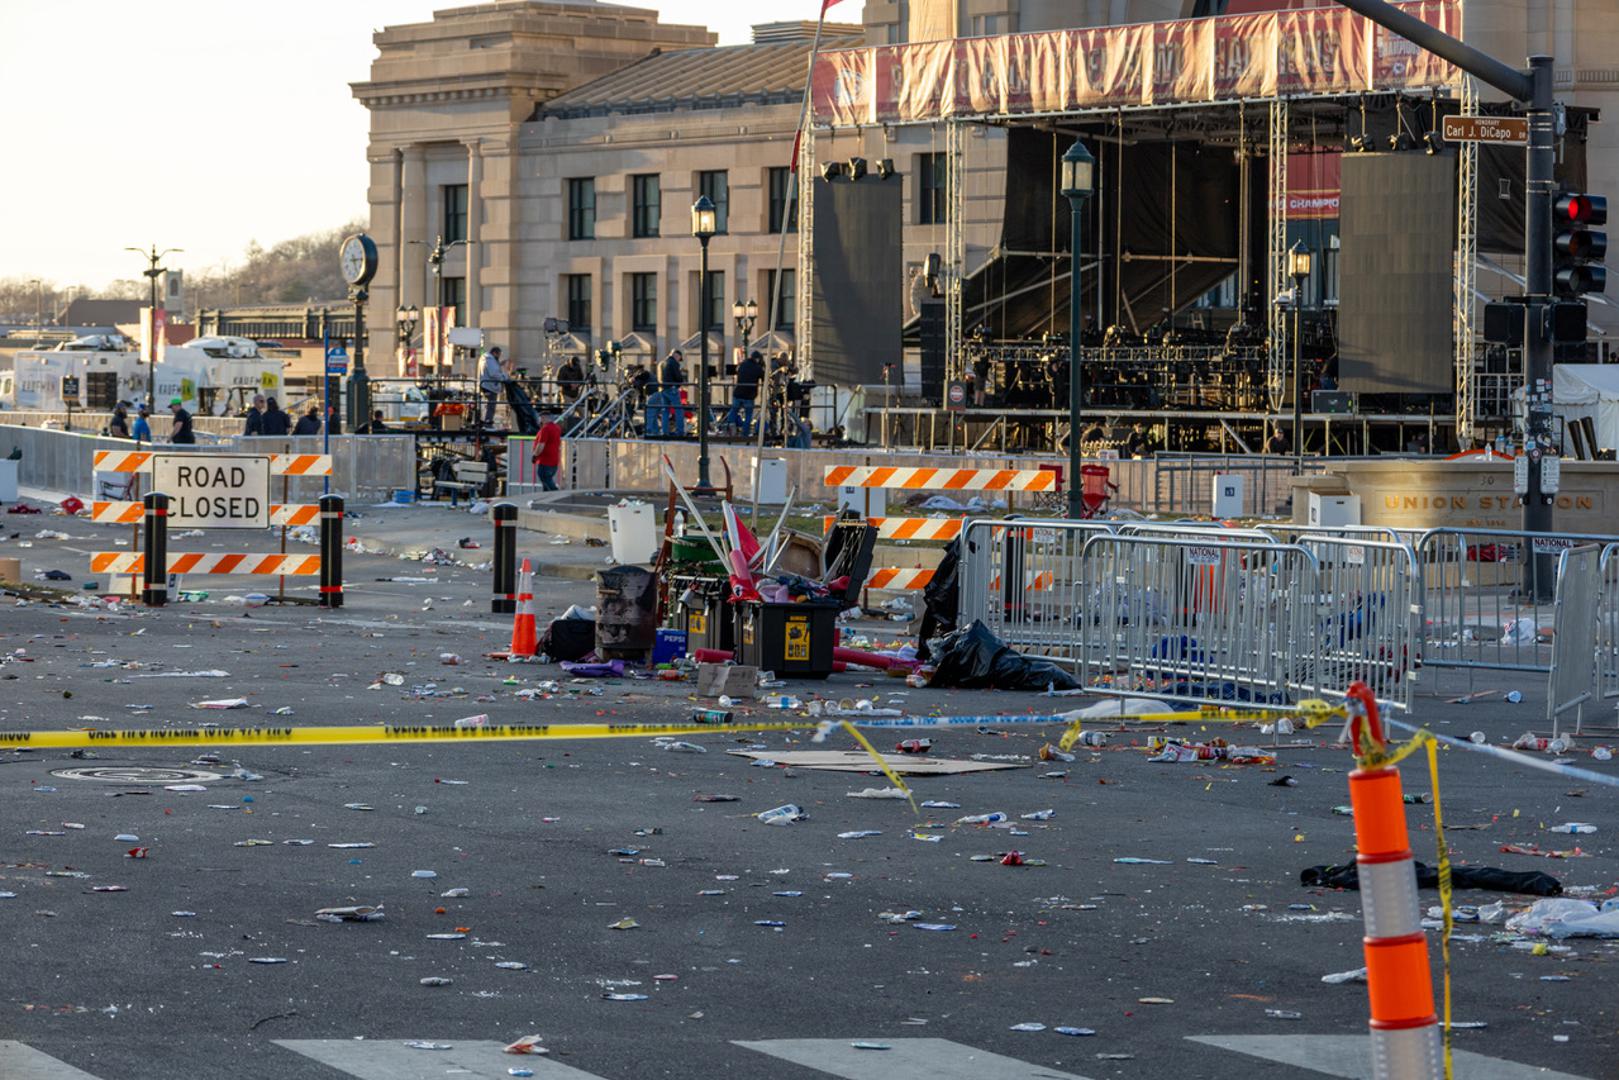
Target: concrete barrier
column 371, row 466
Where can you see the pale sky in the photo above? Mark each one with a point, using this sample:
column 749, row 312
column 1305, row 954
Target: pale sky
column 206, row 124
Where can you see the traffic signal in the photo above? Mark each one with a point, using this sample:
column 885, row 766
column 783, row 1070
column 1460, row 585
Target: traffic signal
column 1577, row 246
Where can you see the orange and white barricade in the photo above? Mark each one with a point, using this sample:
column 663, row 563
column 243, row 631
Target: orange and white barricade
column 1399, row 982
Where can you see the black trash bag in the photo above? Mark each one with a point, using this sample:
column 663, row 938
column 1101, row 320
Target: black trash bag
column 973, row 658
column 528, row 421
column 1493, row 879
column 569, row 639
column 941, row 598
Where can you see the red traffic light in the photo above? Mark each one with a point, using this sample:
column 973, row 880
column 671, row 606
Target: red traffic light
column 1579, row 209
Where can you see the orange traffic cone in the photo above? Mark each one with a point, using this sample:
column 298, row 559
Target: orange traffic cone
column 525, row 635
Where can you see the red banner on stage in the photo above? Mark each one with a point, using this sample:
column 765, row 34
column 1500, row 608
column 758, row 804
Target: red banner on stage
column 1325, row 50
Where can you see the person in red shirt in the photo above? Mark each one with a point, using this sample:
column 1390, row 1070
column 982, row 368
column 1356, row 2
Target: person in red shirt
column 548, row 452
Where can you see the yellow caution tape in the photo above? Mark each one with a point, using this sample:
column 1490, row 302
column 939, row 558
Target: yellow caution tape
column 378, row 733
column 1444, row 894
column 893, row 777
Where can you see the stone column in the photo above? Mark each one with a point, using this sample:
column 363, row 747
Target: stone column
column 474, row 250
column 413, row 238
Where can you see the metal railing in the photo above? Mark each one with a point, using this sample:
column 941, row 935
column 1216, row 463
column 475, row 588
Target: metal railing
column 1608, row 625
column 1573, row 660
column 1369, row 627
column 1198, row 619
column 1022, row 579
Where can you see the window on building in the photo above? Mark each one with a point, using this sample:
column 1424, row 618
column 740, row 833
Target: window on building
column 716, row 185
column 644, row 303
column 781, row 179
column 989, row 25
column 789, row 300
column 453, row 293
column 646, row 198
column 455, row 212
column 715, row 310
column 582, row 208
column 578, row 302
column 930, row 189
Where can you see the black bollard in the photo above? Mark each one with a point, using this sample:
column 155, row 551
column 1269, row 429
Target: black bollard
column 155, row 578
column 504, row 600
column 331, row 551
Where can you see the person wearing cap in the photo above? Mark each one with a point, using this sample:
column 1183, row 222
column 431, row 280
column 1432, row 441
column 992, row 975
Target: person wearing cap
column 142, row 431
column 181, row 434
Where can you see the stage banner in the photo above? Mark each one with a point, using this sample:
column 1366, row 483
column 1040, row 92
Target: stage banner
column 917, row 82
column 1183, row 60
column 1396, row 62
column 1037, row 77
column 1245, row 56
column 1108, row 66
column 842, row 87
column 982, row 71
column 1324, row 51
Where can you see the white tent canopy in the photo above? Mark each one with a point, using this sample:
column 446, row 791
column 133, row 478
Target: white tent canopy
column 1588, row 390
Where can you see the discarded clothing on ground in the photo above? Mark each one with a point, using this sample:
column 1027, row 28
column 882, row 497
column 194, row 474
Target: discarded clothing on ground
column 569, row 639
column 1529, row 883
column 973, row 658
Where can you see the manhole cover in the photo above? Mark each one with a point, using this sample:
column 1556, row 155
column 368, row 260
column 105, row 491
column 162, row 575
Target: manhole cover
column 137, row 774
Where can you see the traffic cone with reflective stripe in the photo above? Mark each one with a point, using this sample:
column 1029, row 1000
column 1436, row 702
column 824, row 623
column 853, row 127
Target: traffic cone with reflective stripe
column 1399, row 982
column 525, row 635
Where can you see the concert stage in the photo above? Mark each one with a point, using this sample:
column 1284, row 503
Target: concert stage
column 1221, row 145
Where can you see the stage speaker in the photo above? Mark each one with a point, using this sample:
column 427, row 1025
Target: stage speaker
column 859, row 281
column 932, row 335
column 1397, row 227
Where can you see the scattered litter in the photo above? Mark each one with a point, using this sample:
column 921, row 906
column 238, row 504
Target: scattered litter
column 221, row 703
column 859, row 834
column 1338, row 978
column 420, row 1044
column 1078, row 1032
column 782, row 815
column 877, row 793
column 1027, row 1026
column 359, row 913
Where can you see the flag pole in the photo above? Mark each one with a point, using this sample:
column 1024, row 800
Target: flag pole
column 781, row 253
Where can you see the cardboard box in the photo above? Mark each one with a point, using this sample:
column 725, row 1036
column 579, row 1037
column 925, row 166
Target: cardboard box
column 732, row 680
column 11, row 570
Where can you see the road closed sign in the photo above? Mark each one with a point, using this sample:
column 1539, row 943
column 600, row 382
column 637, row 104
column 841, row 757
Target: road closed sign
column 214, row 491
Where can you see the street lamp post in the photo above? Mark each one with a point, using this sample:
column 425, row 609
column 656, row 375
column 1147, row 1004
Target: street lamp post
column 1078, row 181
column 1299, row 260
column 703, row 227
column 153, row 258
column 406, row 318
column 745, row 316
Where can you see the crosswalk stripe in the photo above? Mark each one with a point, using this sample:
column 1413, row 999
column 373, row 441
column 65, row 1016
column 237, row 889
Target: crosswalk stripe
column 19, row 1062
column 1350, row 1056
column 391, row 1059
column 906, row 1059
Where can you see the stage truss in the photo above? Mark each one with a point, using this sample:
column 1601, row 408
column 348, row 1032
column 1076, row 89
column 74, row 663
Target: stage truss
column 835, row 91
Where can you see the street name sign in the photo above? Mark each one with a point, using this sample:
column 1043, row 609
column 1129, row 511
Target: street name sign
column 1495, row 130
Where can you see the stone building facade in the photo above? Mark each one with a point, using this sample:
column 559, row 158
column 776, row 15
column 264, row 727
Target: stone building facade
column 508, row 124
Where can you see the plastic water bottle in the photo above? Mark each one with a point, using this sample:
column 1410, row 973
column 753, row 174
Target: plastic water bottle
column 982, row 819
column 782, row 815
column 1093, row 738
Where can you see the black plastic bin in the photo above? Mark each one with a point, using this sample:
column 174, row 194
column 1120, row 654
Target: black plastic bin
column 792, row 640
column 626, row 612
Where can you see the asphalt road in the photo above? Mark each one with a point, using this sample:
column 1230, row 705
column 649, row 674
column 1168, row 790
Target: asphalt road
column 116, row 985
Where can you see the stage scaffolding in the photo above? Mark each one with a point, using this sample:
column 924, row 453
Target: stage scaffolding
column 847, row 82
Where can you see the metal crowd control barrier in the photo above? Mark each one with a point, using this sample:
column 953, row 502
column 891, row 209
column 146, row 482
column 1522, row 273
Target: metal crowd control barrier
column 1487, row 601
column 1608, row 625
column 1022, row 578
column 1573, row 661
column 1200, row 619
column 1368, row 625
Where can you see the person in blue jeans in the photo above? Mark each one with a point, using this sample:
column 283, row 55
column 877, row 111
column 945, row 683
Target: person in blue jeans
column 749, row 373
column 673, row 374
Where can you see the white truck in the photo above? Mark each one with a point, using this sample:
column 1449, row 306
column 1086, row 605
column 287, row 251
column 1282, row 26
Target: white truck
column 211, row 376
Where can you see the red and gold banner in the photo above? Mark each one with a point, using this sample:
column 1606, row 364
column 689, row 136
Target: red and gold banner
column 1325, row 50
